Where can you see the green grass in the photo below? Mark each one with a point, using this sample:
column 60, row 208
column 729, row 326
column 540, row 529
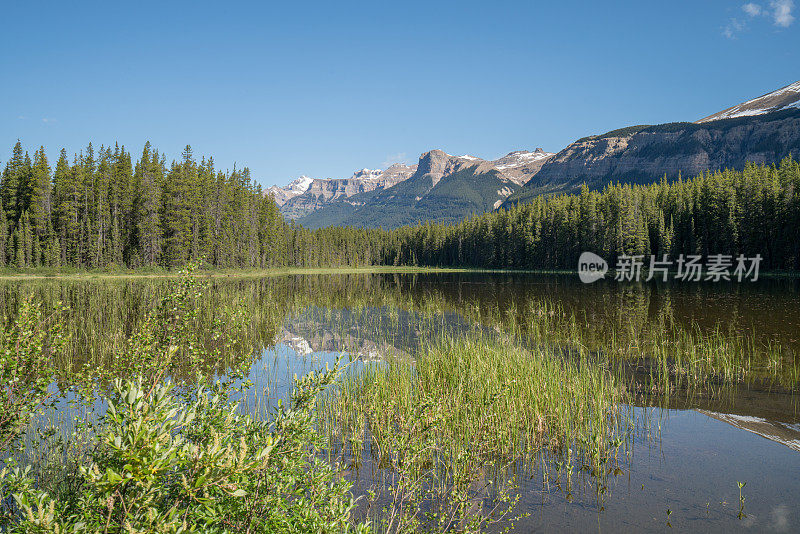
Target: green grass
column 493, row 396
column 70, row 273
column 449, row 428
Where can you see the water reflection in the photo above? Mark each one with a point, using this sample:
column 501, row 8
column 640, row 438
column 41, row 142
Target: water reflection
column 693, row 444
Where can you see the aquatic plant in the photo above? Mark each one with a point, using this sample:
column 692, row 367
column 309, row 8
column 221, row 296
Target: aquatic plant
column 444, row 429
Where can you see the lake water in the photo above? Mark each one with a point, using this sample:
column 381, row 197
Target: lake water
column 690, row 448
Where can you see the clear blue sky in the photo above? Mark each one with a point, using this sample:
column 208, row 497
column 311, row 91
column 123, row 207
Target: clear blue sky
column 322, row 89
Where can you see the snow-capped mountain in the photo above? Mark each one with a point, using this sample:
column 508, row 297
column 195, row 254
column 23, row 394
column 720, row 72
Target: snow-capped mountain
column 295, row 188
column 521, row 165
column 518, row 166
column 784, row 98
column 443, row 188
column 489, row 182
column 321, row 192
column 766, row 130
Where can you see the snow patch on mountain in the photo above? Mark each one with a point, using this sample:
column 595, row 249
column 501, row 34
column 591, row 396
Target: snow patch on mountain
column 784, row 98
column 295, row 188
column 521, row 157
column 368, row 174
column 521, row 165
column 301, row 184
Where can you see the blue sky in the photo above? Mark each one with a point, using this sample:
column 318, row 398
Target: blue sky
column 323, row 89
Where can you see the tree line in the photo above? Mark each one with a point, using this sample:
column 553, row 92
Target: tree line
column 99, row 208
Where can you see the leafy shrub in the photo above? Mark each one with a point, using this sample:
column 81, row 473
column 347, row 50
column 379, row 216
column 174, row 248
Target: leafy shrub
column 165, row 464
column 27, row 348
column 167, row 456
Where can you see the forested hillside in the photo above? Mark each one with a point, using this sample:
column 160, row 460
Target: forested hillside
column 754, row 211
column 100, row 209
column 644, row 154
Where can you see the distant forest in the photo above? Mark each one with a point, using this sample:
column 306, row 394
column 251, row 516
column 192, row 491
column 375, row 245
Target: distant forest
column 98, row 209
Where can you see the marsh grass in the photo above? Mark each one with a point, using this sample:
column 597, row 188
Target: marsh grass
column 659, row 356
column 443, row 428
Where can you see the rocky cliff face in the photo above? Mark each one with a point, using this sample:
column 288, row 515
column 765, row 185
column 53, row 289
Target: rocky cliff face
column 644, row 154
column 444, row 188
column 343, row 196
column 322, row 192
column 518, row 166
column 437, row 164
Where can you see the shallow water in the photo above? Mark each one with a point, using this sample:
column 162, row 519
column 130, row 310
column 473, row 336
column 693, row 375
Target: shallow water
column 689, row 451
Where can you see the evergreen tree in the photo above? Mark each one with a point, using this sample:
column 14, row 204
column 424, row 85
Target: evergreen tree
column 40, row 209
column 12, row 181
column 3, row 235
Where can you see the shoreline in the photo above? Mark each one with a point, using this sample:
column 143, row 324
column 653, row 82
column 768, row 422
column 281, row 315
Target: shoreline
column 46, row 274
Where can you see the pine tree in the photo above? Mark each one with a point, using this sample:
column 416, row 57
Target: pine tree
column 147, row 207
column 3, row 235
column 65, row 209
column 13, row 175
column 26, row 237
column 40, row 195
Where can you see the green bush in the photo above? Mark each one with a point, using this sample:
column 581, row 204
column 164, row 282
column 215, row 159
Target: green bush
column 163, row 463
column 27, row 348
column 166, row 456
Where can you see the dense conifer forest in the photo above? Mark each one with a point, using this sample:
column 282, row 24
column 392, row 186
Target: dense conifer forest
column 99, row 208
column 753, row 211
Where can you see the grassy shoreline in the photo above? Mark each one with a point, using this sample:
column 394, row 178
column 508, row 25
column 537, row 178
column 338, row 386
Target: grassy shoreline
column 45, row 273
column 123, row 273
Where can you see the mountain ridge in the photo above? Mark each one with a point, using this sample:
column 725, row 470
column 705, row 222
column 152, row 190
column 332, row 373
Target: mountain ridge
column 444, row 188
column 761, row 130
column 783, row 98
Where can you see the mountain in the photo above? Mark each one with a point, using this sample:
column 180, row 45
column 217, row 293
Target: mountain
column 520, row 166
column 443, row 188
column 786, row 433
column 763, row 130
column 446, row 188
column 295, row 188
column 321, row 193
column 784, row 98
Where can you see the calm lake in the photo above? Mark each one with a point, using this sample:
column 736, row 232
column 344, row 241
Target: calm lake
column 698, row 427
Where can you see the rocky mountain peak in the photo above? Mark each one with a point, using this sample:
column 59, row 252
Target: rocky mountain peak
column 520, row 166
column 438, row 163
column 367, row 174
column 296, row 187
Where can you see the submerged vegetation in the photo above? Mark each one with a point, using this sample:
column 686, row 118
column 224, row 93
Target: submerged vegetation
column 446, row 429
column 151, row 407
